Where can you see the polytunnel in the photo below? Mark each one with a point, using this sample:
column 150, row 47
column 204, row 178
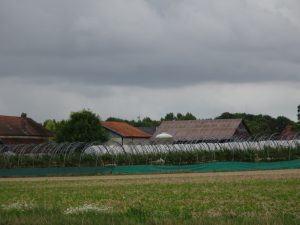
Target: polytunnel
column 187, row 152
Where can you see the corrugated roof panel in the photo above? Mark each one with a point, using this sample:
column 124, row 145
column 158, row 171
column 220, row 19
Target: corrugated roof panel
column 200, row 129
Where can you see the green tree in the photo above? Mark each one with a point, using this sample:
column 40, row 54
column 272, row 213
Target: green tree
column 298, row 113
column 297, row 125
column 115, row 119
column 50, row 125
column 260, row 124
column 283, row 122
column 169, row 117
column 179, row 116
column 226, row 115
column 146, row 122
column 189, row 116
column 83, row 126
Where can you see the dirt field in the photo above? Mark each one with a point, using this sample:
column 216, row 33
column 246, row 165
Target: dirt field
column 177, row 177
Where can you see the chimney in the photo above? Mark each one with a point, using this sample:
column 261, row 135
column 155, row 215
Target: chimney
column 23, row 121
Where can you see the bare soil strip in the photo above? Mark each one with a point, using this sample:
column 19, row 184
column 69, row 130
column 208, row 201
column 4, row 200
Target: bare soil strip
column 166, row 178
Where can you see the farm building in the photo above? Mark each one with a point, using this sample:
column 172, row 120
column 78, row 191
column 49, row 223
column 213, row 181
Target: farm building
column 124, row 133
column 148, row 130
column 22, row 130
column 204, row 130
column 288, row 133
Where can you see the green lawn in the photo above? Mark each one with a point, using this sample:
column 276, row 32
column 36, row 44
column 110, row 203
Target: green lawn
column 184, row 199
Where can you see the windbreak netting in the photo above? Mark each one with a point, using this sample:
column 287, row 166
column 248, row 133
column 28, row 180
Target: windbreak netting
column 150, row 169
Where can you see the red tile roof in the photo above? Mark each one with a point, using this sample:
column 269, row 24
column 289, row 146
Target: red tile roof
column 124, row 129
column 22, row 126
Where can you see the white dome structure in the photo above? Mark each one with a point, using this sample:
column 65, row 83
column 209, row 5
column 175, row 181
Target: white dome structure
column 164, row 136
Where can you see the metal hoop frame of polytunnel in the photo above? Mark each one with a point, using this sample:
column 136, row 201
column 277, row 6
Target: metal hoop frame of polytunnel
column 78, row 153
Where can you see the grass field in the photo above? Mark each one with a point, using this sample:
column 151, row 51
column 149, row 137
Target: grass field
column 260, row 197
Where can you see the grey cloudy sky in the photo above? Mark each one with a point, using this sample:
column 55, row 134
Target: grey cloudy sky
column 130, row 58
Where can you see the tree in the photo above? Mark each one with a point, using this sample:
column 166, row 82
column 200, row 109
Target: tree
column 169, row 117
column 179, row 116
column 297, row 126
column 146, row 122
column 298, row 113
column 115, row 119
column 50, row 125
column 282, row 122
column 82, row 126
column 260, row 124
column 226, row 115
column 189, row 116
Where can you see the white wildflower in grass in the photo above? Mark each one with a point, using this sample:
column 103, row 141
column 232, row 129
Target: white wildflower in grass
column 19, row 205
column 87, row 208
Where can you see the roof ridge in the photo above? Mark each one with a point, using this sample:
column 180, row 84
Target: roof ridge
column 12, row 116
column 238, row 119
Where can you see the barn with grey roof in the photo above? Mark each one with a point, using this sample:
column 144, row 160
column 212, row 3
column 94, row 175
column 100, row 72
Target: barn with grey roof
column 204, row 130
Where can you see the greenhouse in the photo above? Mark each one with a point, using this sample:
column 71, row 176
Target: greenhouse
column 95, row 154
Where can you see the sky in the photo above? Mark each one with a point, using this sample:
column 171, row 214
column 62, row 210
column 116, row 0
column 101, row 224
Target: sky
column 138, row 58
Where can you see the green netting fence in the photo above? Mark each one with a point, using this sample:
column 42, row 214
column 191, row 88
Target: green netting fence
column 150, row 169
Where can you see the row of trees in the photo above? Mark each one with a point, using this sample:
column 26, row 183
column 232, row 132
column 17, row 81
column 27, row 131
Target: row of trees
column 85, row 125
column 261, row 124
column 257, row 124
column 148, row 122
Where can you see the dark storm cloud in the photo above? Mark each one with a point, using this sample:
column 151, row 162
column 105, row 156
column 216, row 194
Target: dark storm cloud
column 150, row 43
